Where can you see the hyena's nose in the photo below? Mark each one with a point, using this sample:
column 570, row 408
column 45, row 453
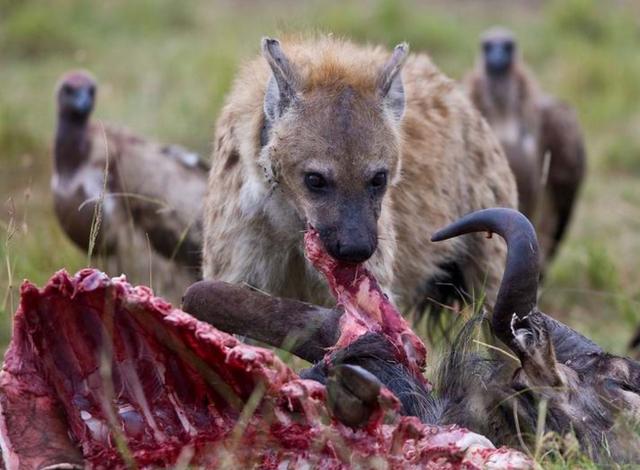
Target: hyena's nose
column 350, row 243
column 354, row 252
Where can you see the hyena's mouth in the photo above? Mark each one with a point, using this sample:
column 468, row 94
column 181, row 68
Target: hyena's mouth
column 315, row 250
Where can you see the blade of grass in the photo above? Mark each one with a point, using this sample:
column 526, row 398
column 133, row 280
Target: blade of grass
column 97, row 211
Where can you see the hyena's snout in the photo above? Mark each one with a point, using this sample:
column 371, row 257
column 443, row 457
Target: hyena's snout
column 353, row 240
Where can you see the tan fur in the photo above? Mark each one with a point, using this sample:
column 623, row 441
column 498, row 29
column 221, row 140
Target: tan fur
column 445, row 162
column 543, row 142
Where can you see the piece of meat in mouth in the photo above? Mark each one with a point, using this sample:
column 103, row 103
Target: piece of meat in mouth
column 366, row 308
column 102, row 373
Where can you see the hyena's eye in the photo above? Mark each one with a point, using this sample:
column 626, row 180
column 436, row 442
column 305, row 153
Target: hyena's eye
column 379, row 181
column 315, row 182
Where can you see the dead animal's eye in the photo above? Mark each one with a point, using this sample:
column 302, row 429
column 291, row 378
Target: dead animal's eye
column 379, row 181
column 315, row 182
column 627, row 387
column 615, row 385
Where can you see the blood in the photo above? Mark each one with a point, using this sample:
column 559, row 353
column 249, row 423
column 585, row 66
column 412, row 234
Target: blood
column 367, row 309
column 104, row 374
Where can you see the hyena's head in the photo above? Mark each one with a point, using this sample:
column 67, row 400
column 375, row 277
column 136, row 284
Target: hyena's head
column 331, row 143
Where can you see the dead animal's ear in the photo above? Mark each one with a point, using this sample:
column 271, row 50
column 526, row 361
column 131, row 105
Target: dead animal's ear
column 390, row 81
column 282, row 87
column 533, row 345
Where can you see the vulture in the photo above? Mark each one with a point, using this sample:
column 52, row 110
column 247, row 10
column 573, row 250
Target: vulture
column 540, row 135
column 134, row 202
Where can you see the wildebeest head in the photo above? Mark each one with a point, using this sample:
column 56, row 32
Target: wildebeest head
column 587, row 391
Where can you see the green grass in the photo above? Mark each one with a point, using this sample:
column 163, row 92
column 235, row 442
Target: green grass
column 164, row 68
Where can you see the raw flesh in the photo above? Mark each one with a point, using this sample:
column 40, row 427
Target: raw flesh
column 366, row 308
column 105, row 374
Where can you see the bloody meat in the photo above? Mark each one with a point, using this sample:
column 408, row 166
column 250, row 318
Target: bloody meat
column 103, row 373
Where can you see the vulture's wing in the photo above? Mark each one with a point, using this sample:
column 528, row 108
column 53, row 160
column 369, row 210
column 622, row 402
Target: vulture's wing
column 164, row 188
column 562, row 143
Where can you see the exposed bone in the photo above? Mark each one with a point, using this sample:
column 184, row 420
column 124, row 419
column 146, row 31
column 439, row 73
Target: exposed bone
column 84, row 330
column 367, row 308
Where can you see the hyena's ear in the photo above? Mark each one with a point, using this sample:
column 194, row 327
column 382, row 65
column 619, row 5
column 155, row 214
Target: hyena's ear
column 390, row 81
column 282, row 87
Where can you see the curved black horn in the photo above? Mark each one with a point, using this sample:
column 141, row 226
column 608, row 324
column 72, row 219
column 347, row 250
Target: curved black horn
column 519, row 287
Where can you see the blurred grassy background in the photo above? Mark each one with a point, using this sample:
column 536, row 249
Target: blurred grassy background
column 164, row 68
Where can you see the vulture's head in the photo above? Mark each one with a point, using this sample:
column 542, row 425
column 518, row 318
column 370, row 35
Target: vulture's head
column 76, row 95
column 498, row 51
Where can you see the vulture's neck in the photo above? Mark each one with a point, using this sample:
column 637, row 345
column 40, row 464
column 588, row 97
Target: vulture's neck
column 503, row 90
column 72, row 143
